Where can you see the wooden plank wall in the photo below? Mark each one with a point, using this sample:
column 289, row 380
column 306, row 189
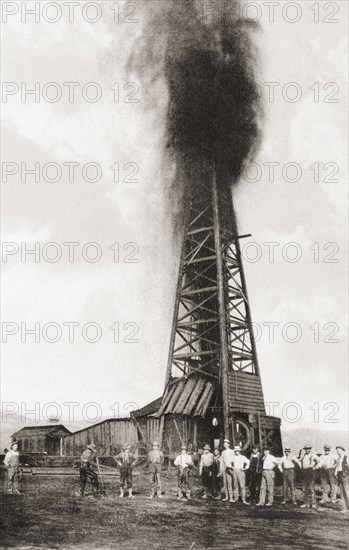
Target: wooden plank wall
column 108, row 436
column 245, row 393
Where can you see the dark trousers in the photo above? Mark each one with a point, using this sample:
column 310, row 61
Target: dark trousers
column 288, row 482
column 125, row 477
column 206, row 477
column 309, row 486
column 328, row 482
column 216, row 480
column 85, row 474
column 155, row 479
column 183, row 481
column 254, row 485
column 12, row 475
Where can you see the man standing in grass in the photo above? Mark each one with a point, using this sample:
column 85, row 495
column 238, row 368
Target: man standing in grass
column 309, row 463
column 240, row 464
column 126, row 460
column 255, row 472
column 328, row 479
column 184, row 462
column 342, row 473
column 88, row 462
column 155, row 461
column 286, row 467
column 268, row 475
column 12, row 465
column 225, row 470
column 216, row 480
column 206, row 471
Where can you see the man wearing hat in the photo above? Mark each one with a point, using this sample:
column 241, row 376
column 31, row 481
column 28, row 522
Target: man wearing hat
column 328, row 479
column 255, row 473
column 309, row 462
column 126, row 460
column 206, row 471
column 86, row 468
column 11, row 462
column 342, row 473
column 267, row 485
column 225, row 471
column 155, row 461
column 183, row 462
column 286, row 466
column 240, row 464
column 216, row 480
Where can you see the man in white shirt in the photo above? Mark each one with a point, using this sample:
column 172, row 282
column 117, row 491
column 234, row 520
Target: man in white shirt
column 183, row 462
column 267, row 486
column 328, row 480
column 225, row 470
column 12, row 465
column 240, row 464
column 286, row 467
column 309, row 463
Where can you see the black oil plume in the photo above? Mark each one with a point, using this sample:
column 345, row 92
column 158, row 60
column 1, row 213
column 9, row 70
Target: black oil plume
column 208, row 66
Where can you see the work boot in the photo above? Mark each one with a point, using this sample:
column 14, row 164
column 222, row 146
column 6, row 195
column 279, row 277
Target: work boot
column 130, row 495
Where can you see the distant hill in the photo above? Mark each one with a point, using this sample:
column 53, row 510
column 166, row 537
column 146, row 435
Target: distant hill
column 13, row 423
column 297, row 438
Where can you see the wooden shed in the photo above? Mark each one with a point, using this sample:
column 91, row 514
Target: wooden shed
column 41, row 439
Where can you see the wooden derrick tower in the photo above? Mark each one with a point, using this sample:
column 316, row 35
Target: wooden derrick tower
column 213, row 385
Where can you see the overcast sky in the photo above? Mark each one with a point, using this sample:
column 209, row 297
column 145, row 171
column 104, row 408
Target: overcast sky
column 310, row 132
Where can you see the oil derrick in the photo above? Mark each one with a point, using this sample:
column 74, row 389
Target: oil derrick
column 213, row 385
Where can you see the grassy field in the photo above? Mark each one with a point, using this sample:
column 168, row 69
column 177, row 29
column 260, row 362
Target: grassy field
column 50, row 515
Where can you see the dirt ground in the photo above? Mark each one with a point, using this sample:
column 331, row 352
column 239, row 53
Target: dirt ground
column 50, row 515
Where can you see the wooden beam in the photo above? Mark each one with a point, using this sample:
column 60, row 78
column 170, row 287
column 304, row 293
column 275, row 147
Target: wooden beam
column 194, row 396
column 224, row 356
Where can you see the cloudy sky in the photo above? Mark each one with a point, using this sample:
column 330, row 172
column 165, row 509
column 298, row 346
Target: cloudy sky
column 305, row 130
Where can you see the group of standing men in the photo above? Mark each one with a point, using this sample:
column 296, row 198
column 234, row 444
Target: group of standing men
column 231, row 466
column 261, row 469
